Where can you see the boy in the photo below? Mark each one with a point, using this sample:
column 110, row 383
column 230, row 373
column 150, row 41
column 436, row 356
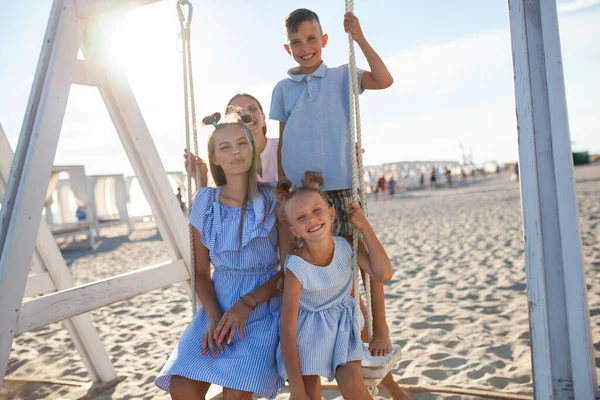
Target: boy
column 313, row 110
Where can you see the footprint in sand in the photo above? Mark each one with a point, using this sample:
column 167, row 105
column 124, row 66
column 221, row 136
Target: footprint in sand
column 437, row 318
column 477, row 374
column 426, row 325
column 438, row 356
column 437, row 374
column 503, row 351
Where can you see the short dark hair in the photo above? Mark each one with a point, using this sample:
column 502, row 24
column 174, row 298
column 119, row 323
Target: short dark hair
column 296, row 17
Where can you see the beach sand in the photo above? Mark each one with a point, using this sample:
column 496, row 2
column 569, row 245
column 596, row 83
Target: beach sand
column 457, row 302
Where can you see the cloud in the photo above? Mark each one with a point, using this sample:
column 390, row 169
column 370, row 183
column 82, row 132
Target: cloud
column 462, row 91
column 440, row 68
column 576, row 5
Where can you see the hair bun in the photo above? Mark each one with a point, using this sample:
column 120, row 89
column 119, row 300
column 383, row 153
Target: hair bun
column 313, row 180
column 246, row 118
column 211, row 119
column 282, row 189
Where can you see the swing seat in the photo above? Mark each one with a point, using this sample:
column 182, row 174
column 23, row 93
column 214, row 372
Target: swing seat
column 375, row 368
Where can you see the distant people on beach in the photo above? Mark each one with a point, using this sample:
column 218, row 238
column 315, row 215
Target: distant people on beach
column 448, row 174
column 516, row 172
column 80, row 213
column 422, row 180
column 392, row 186
column 380, row 186
column 433, row 179
column 463, row 175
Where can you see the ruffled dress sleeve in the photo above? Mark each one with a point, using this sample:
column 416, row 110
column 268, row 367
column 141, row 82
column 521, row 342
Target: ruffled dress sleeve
column 260, row 216
column 202, row 216
column 219, row 226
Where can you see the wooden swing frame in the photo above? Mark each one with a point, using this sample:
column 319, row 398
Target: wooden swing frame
column 563, row 359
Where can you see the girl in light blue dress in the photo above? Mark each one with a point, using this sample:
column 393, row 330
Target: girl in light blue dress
column 232, row 339
column 317, row 330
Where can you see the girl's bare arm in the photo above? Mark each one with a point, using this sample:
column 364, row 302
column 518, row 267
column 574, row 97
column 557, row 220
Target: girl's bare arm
column 287, row 326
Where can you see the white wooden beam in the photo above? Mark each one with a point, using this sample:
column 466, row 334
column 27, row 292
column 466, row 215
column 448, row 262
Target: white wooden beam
column 87, row 9
column 48, row 262
column 67, row 303
column 139, row 147
column 39, row 283
column 30, row 173
column 562, row 353
column 87, row 74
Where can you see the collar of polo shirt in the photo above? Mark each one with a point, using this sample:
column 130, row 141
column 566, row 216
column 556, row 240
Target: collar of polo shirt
column 319, row 73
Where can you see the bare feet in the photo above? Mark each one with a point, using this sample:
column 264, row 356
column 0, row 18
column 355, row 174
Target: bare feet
column 381, row 343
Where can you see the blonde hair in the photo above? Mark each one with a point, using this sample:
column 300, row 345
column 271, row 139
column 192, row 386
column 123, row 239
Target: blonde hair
column 235, row 119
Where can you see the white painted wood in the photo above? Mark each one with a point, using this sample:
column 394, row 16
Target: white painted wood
column 58, row 68
column 48, row 260
column 38, row 284
column 87, row 74
column 139, row 146
column 81, row 328
column 67, row 303
column 96, row 8
column 374, row 369
column 26, row 186
column 562, row 354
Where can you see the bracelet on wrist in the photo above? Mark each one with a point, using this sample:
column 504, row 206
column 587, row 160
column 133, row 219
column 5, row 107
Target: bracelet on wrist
column 246, row 303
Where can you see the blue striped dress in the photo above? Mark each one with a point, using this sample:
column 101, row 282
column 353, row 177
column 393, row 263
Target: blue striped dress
column 326, row 336
column 248, row 364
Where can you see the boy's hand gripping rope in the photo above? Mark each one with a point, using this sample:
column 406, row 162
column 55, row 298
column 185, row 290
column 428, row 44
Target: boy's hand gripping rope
column 190, row 106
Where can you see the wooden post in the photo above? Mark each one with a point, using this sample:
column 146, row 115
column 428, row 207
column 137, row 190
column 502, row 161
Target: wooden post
column 58, row 68
column 53, row 274
column 30, row 173
column 562, row 354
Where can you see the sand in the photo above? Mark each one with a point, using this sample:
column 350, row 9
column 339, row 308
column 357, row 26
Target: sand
column 456, row 303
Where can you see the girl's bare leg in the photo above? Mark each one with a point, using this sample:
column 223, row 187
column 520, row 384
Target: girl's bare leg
column 350, row 382
column 381, row 343
column 232, row 394
column 312, row 385
column 183, row 388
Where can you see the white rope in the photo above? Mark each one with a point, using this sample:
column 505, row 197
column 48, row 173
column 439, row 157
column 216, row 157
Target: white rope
column 190, row 105
column 357, row 184
column 357, row 175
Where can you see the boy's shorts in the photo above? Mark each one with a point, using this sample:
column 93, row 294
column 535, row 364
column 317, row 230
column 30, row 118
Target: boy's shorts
column 340, row 200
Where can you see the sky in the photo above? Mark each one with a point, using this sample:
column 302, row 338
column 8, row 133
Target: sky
column 451, row 61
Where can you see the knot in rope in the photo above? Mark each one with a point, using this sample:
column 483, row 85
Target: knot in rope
column 185, row 23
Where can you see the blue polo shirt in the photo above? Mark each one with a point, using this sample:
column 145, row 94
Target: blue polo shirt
column 316, row 112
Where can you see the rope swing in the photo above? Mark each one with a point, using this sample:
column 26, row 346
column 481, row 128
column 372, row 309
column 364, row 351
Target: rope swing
column 190, row 107
column 374, row 369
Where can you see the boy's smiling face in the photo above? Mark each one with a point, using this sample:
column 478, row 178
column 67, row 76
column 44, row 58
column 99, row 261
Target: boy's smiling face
column 306, row 45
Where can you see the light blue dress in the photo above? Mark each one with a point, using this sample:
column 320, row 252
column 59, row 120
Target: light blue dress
column 326, row 336
column 248, row 364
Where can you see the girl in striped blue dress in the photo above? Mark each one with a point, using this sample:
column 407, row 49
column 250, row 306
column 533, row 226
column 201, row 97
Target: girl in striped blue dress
column 317, row 330
column 232, row 339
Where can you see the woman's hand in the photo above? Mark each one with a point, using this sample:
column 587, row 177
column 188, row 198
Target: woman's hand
column 192, row 164
column 357, row 217
column 208, row 341
column 233, row 319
